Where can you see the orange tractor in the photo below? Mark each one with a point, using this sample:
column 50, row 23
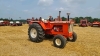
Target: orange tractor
column 83, row 23
column 95, row 23
column 61, row 31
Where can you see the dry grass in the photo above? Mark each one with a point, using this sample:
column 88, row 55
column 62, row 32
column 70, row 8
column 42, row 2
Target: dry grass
column 14, row 42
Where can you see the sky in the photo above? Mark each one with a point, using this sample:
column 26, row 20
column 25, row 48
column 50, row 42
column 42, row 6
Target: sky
column 23, row 9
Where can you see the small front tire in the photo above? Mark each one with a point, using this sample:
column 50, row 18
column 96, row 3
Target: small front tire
column 73, row 38
column 59, row 41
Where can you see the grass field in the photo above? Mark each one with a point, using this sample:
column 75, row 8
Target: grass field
column 14, row 41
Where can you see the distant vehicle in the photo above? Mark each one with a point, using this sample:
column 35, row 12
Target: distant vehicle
column 12, row 23
column 95, row 23
column 4, row 23
column 1, row 22
column 18, row 23
column 83, row 23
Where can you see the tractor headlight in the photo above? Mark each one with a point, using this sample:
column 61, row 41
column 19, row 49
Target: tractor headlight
column 71, row 27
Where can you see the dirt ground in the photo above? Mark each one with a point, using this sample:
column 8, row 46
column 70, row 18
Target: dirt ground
column 14, row 41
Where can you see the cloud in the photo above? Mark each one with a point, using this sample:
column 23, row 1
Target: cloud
column 21, row 0
column 60, row 9
column 28, row 11
column 43, row 8
column 72, row 6
column 93, row 11
column 71, row 2
column 45, row 2
column 8, row 6
column 8, row 9
column 25, row 10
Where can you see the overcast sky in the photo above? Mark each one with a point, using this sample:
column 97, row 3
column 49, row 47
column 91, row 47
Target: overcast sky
column 44, row 8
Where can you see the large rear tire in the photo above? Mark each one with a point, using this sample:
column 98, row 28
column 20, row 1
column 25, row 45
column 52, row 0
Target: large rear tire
column 59, row 41
column 36, row 33
column 73, row 38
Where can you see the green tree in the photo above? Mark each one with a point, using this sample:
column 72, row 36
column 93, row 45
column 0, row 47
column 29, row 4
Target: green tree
column 80, row 17
column 11, row 19
column 99, row 19
column 77, row 20
column 89, row 19
column 1, row 18
column 95, row 19
column 63, row 19
column 6, row 19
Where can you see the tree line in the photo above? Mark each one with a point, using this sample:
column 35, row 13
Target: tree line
column 77, row 19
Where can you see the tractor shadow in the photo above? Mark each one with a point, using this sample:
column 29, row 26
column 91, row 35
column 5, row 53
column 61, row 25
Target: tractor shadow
column 48, row 38
column 29, row 40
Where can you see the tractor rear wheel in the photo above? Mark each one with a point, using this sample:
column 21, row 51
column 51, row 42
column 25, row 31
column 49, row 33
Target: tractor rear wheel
column 73, row 38
column 36, row 33
column 59, row 41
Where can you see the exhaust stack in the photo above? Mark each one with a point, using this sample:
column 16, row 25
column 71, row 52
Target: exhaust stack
column 68, row 16
column 59, row 15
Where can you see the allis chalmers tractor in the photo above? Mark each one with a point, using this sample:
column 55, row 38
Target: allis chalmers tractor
column 61, row 31
column 1, row 22
column 4, row 23
column 95, row 23
column 11, row 23
column 17, row 23
column 83, row 23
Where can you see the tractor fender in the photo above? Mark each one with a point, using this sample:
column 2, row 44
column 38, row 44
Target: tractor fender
column 41, row 24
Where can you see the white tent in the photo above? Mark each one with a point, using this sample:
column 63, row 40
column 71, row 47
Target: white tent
column 11, row 22
column 1, row 21
column 17, row 22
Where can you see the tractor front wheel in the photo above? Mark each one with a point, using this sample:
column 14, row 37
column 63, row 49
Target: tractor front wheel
column 59, row 41
column 36, row 33
column 73, row 38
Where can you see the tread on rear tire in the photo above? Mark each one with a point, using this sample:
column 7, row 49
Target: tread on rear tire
column 37, row 29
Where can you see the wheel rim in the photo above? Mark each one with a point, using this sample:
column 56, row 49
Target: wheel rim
column 33, row 33
column 70, row 38
column 58, row 42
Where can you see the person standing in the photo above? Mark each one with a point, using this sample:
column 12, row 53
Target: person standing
column 50, row 18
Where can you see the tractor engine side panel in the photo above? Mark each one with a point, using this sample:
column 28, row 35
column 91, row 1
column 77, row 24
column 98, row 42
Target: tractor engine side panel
column 58, row 28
